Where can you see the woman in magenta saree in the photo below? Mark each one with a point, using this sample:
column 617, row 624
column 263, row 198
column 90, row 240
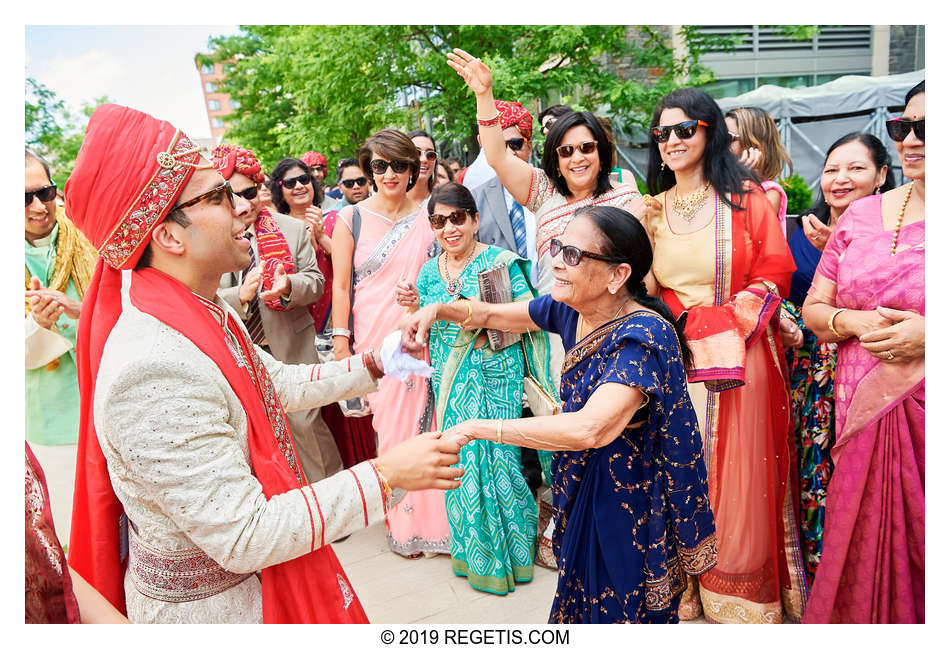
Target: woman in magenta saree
column 868, row 294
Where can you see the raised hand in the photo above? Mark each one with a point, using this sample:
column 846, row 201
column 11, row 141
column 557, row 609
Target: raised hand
column 816, row 231
column 280, row 287
column 406, row 295
column 252, row 281
column 475, row 73
column 751, row 157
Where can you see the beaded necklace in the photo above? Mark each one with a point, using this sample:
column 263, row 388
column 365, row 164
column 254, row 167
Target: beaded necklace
column 900, row 217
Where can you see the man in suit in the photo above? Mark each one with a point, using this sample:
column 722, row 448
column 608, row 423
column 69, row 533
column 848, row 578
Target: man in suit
column 283, row 259
column 502, row 221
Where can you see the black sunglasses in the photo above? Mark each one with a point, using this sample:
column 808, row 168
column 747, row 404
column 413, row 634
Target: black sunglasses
column 515, row 143
column 683, row 130
column 458, row 217
column 350, row 182
column 567, row 150
column 45, row 194
column 250, row 193
column 572, row 255
column 378, row 166
column 290, row 183
column 898, row 128
column 428, row 153
column 322, row 168
column 223, row 187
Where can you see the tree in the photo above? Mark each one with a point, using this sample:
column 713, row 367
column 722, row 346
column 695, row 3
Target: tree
column 54, row 132
column 329, row 87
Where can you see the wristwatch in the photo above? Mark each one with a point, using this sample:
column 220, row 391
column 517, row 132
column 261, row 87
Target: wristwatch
column 340, row 331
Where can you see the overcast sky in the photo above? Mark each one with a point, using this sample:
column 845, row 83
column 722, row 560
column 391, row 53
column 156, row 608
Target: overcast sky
column 150, row 68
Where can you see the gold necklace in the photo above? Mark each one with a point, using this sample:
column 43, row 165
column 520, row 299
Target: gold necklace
column 688, row 205
column 900, row 217
column 453, row 285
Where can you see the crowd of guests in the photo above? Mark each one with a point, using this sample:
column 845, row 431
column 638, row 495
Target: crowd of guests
column 702, row 414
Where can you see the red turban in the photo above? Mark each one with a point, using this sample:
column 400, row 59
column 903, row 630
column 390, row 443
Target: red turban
column 312, row 159
column 230, row 159
column 514, row 114
column 129, row 173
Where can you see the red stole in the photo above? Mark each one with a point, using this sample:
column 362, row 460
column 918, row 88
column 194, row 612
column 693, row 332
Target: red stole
column 310, row 589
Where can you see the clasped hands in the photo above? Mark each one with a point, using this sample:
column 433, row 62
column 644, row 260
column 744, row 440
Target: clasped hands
column 48, row 304
column 892, row 335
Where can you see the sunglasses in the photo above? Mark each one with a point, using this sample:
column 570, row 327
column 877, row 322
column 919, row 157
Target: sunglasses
column 379, row 166
column 458, row 217
column 224, row 187
column 515, row 143
column 250, row 193
column 572, row 255
column 898, row 128
column 45, row 194
column 734, row 136
column 683, row 130
column 349, row 183
column 322, row 168
column 567, row 150
column 428, row 153
column 290, row 183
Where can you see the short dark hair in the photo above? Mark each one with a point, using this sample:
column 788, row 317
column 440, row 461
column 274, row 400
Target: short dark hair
column 916, row 90
column 556, row 110
column 175, row 216
column 33, row 155
column 277, row 196
column 623, row 237
column 605, row 150
column 720, row 167
column 453, row 195
column 421, row 133
column 879, row 156
column 395, row 145
column 343, row 164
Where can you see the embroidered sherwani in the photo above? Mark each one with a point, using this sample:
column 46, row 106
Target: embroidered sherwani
column 175, row 439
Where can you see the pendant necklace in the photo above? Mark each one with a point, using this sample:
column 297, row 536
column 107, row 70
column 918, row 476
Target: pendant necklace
column 453, row 285
column 687, row 206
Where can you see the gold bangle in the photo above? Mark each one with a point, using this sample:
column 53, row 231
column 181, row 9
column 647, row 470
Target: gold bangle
column 831, row 323
column 465, row 321
column 498, row 430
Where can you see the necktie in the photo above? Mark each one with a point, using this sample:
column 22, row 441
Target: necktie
column 517, row 225
column 253, row 323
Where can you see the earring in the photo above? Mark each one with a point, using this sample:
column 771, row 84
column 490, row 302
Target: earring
column 662, row 166
column 612, row 291
column 877, row 189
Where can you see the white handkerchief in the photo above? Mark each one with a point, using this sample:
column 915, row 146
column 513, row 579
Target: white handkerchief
column 399, row 364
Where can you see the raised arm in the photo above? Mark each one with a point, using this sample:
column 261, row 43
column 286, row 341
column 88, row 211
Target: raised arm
column 513, row 172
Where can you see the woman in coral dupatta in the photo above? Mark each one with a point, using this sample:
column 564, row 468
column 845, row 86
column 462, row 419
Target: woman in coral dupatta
column 720, row 259
column 868, row 295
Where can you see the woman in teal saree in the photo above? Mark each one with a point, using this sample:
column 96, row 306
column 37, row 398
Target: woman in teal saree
column 493, row 518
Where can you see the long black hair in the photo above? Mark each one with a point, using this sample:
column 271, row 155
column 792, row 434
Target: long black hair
column 605, row 150
column 277, row 196
column 622, row 237
column 420, row 133
column 720, row 167
column 879, row 156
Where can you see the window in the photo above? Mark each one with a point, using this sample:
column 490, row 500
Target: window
column 214, row 104
column 211, row 86
column 217, row 122
column 729, row 87
column 795, row 81
column 228, row 68
column 234, row 103
column 207, row 68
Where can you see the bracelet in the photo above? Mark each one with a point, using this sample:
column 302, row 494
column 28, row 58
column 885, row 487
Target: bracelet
column 340, row 331
column 489, row 122
column 498, row 430
column 369, row 361
column 465, row 321
column 831, row 323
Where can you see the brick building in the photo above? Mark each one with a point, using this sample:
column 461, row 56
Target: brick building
column 217, row 104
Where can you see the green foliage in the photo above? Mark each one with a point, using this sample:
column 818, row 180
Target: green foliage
column 799, row 195
column 329, row 87
column 52, row 131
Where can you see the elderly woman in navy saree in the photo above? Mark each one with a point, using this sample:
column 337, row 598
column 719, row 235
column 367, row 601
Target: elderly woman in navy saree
column 630, row 498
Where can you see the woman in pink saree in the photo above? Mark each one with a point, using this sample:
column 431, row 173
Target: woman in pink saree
column 392, row 241
column 868, row 295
